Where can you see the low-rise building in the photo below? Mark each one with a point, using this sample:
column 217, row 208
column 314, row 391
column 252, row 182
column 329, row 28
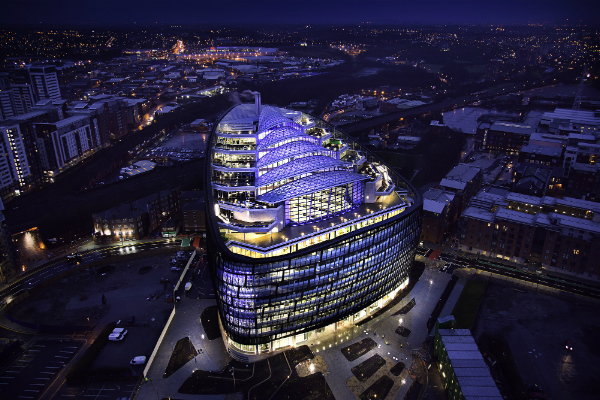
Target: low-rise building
column 137, row 219
column 439, row 213
column 465, row 374
column 503, row 137
column 464, row 181
column 561, row 235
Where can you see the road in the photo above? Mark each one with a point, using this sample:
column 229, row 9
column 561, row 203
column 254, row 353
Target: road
column 443, row 105
column 53, row 268
column 568, row 285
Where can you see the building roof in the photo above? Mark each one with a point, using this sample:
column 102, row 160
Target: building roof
column 577, row 116
column 434, row 200
column 459, row 176
column 290, row 150
column 539, row 149
column 297, row 167
column 471, row 371
column 481, row 206
column 519, row 129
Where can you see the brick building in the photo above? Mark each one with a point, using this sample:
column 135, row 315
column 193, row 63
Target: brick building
column 560, row 235
column 137, row 219
column 439, row 213
column 502, row 137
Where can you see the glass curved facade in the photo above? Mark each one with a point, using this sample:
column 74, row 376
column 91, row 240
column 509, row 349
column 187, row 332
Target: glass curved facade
column 294, row 255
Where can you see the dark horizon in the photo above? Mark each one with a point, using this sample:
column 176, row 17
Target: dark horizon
column 235, row 12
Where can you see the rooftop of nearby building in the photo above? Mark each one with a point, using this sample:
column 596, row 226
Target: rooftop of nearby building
column 538, row 149
column 460, row 176
column 520, row 129
column 578, row 116
column 468, row 365
column 434, row 200
column 549, row 211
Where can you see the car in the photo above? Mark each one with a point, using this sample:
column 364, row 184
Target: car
column 74, row 257
column 569, row 345
column 117, row 334
column 165, row 280
column 175, row 269
column 471, row 158
column 139, row 360
column 188, row 286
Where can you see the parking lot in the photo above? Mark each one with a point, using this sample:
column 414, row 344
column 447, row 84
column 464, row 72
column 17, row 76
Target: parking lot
column 29, row 375
column 98, row 390
column 139, row 341
column 135, row 290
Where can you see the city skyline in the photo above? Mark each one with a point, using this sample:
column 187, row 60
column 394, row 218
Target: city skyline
column 184, row 12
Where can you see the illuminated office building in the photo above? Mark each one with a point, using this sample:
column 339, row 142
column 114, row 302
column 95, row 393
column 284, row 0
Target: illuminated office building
column 308, row 233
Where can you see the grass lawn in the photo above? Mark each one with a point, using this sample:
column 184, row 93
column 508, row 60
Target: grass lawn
column 465, row 310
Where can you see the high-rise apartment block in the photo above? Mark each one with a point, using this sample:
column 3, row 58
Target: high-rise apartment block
column 44, row 81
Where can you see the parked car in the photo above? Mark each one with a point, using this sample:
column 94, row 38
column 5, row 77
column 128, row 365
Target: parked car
column 117, row 334
column 188, row 286
column 139, row 360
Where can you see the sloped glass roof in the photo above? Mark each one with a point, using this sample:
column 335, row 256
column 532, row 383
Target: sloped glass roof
column 284, row 133
column 310, row 184
column 298, row 167
column 290, row 150
column 271, row 118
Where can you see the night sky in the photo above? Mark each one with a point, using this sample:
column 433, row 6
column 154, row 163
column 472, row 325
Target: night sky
column 125, row 12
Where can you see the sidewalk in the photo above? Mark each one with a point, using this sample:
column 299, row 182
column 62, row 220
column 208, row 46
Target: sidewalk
column 454, row 295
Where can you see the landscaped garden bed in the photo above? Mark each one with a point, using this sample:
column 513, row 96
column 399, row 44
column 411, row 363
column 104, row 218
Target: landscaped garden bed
column 397, row 369
column 358, row 349
column 299, row 354
column 184, row 352
column 273, row 378
column 467, row 305
column 402, row 331
column 379, row 389
column 367, row 368
column 404, row 310
column 210, row 322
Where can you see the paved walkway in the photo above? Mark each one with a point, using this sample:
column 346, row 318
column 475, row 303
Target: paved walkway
column 453, row 298
column 214, row 357
column 426, row 293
